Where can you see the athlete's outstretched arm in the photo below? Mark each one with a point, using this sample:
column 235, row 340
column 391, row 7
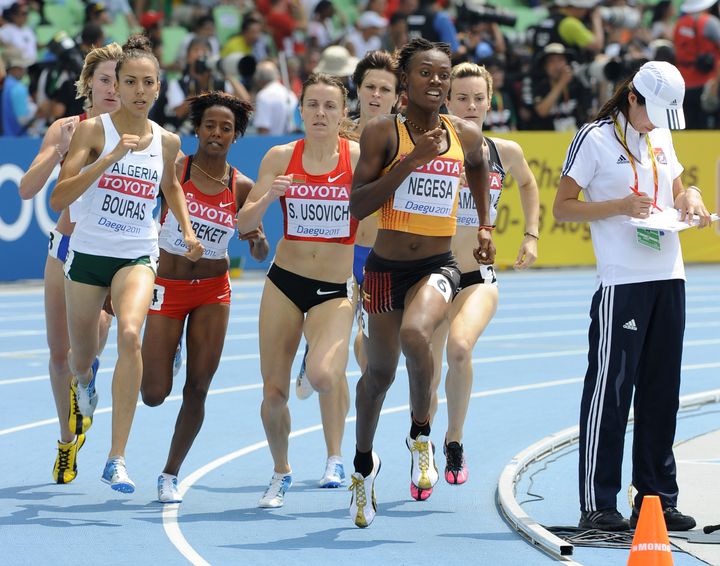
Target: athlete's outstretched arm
column 72, row 183
column 259, row 247
column 477, row 172
column 270, row 186
column 512, row 155
column 175, row 197
column 52, row 151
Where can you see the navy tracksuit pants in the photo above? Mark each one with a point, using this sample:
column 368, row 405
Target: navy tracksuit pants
column 635, row 343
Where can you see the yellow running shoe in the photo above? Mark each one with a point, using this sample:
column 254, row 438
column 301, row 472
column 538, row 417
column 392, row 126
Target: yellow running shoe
column 65, row 469
column 79, row 423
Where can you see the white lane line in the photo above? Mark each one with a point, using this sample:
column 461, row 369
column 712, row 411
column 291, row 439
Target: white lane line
column 171, row 524
column 483, row 339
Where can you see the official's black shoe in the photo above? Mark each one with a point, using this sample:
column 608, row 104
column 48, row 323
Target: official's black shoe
column 604, row 520
column 674, row 520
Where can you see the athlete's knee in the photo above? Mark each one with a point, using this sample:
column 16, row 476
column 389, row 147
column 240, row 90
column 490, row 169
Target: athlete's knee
column 414, row 339
column 129, row 339
column 274, row 397
column 459, row 351
column 196, row 390
column 377, row 380
column 322, row 379
column 58, row 363
column 154, row 396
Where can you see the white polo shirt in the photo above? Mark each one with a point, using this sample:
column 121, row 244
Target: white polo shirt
column 597, row 161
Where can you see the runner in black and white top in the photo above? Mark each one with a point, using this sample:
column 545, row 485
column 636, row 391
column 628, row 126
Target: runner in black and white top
column 475, row 304
column 626, row 167
column 117, row 163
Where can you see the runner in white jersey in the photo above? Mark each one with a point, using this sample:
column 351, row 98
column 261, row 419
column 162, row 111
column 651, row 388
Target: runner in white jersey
column 98, row 86
column 477, row 298
column 196, row 292
column 118, row 163
column 625, row 165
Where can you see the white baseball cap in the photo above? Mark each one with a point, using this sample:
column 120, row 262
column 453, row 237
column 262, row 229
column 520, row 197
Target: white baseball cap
column 692, row 6
column 663, row 88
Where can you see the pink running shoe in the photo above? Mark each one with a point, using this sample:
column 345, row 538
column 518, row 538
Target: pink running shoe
column 456, row 471
column 419, row 494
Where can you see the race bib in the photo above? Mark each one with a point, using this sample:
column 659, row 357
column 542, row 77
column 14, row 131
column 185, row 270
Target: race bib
column 214, row 226
column 317, row 210
column 125, row 198
column 431, row 189
column 466, row 211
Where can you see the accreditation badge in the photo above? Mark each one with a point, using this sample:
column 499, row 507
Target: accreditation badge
column 649, row 238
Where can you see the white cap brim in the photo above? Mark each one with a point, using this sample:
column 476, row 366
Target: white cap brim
column 661, row 117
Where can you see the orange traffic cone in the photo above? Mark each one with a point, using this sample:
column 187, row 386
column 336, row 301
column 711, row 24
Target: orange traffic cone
column 650, row 546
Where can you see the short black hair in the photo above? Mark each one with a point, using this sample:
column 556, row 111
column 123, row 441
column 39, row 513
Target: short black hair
column 240, row 108
column 419, row 45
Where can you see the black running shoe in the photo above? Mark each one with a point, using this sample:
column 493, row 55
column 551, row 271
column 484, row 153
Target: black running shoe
column 674, row 520
column 604, row 520
column 456, row 471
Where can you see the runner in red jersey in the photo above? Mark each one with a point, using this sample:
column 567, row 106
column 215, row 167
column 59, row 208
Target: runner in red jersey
column 198, row 292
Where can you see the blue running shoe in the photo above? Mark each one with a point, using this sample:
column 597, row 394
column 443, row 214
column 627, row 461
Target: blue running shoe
column 178, row 359
column 334, row 473
column 115, row 474
column 303, row 389
column 274, row 495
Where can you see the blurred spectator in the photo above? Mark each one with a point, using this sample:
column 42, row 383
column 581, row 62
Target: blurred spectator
column 16, row 33
column 697, row 49
column 205, row 29
column 396, row 34
column 95, row 13
column 661, row 24
column 282, row 19
column 275, row 104
column 337, row 61
column 152, row 22
column 482, row 40
column 63, row 99
column 568, row 24
column 18, row 108
column 710, row 99
column 502, row 116
column 121, row 9
column 559, row 101
column 250, row 41
column 366, row 35
column 425, row 19
column 321, row 28
column 198, row 76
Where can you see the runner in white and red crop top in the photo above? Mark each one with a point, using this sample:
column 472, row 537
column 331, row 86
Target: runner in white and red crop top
column 311, row 274
column 214, row 191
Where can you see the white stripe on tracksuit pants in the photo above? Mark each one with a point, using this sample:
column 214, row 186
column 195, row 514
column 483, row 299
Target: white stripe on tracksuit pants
column 635, row 343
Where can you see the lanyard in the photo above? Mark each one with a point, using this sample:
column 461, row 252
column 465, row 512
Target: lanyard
column 636, row 188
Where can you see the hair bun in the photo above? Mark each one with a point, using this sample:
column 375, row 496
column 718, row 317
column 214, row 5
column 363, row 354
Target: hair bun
column 137, row 42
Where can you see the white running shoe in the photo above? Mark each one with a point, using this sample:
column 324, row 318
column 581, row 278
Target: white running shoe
column 178, row 359
column 423, row 471
column 334, row 473
column 87, row 398
column 303, row 388
column 115, row 474
column 168, row 489
column 362, row 510
column 274, row 495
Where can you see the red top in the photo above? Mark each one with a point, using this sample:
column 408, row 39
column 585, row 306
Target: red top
column 316, row 208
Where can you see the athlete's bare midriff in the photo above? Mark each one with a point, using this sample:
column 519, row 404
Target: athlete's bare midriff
column 404, row 246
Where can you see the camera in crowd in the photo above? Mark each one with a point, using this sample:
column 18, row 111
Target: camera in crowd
column 614, row 69
column 620, row 16
column 235, row 64
column 69, row 56
column 476, row 11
